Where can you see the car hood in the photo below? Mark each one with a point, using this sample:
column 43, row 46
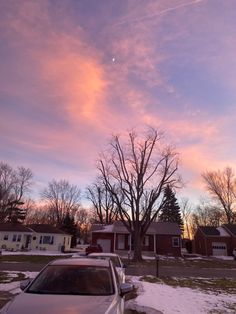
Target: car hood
column 26, row 303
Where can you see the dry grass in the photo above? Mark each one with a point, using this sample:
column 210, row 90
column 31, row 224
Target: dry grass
column 215, row 285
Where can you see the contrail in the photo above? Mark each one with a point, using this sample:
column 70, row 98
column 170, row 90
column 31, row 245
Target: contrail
column 157, row 13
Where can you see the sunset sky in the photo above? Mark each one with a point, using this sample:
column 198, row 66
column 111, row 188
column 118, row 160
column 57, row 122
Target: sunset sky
column 74, row 72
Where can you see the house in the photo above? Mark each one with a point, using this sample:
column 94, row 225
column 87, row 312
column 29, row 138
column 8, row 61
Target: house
column 161, row 238
column 47, row 237
column 215, row 241
column 14, row 236
column 33, row 237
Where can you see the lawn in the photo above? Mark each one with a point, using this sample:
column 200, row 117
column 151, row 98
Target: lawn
column 36, row 259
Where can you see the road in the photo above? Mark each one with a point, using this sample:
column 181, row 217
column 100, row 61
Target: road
column 172, row 271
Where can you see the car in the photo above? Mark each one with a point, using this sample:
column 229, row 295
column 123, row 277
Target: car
column 93, row 248
column 71, row 285
column 115, row 258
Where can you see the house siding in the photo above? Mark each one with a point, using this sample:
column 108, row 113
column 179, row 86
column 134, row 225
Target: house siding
column 164, row 245
column 57, row 242
column 9, row 243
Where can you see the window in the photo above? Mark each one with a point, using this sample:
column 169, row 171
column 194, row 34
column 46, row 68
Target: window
column 146, row 241
column 175, row 241
column 41, row 240
column 5, row 237
column 14, row 238
column 121, row 242
column 47, row 240
column 19, row 238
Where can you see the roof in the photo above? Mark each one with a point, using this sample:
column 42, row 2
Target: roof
column 101, row 254
column 43, row 228
column 82, row 262
column 223, row 232
column 14, row 227
column 231, row 228
column 161, row 228
column 209, row 231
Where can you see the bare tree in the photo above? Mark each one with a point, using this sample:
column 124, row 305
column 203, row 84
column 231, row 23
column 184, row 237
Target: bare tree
column 83, row 218
column 103, row 203
column 135, row 173
column 222, row 187
column 61, row 198
column 186, row 210
column 206, row 214
column 14, row 187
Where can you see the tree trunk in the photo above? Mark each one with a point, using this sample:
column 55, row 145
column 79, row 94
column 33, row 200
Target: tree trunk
column 137, row 247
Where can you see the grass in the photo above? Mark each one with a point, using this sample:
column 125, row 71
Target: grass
column 35, row 259
column 180, row 262
column 216, row 285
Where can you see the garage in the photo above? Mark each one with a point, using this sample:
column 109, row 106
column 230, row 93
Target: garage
column 105, row 244
column 219, row 249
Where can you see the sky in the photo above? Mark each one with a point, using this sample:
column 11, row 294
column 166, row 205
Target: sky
column 74, row 72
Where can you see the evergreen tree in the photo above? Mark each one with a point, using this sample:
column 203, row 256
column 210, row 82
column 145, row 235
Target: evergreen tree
column 15, row 214
column 69, row 226
column 171, row 210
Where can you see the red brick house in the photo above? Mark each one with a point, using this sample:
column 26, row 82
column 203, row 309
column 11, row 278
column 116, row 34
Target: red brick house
column 215, row 241
column 161, row 238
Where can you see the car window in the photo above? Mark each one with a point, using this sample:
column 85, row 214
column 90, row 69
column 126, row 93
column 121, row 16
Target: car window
column 115, row 260
column 81, row 280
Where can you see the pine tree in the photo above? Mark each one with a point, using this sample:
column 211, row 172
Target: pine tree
column 171, row 210
column 69, row 226
column 15, row 214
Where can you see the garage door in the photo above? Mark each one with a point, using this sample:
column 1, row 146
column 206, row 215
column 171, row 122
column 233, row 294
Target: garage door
column 105, row 244
column 219, row 249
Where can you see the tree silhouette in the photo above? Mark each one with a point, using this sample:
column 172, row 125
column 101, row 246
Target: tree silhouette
column 69, row 226
column 171, row 210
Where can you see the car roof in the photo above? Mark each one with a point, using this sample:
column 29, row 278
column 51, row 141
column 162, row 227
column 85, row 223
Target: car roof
column 104, row 254
column 81, row 262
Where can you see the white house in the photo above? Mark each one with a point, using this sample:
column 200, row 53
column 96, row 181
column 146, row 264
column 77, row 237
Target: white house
column 33, row 237
column 47, row 237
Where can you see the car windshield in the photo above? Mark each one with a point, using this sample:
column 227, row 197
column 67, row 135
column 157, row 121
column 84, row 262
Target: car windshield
column 78, row 280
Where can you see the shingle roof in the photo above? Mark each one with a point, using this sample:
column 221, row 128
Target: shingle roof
column 230, row 228
column 43, row 228
column 161, row 228
column 14, row 227
column 209, row 231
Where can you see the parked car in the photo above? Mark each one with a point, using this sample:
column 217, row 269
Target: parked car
column 93, row 248
column 80, row 285
column 115, row 258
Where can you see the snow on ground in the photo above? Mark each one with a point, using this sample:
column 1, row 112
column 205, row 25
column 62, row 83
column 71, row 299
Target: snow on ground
column 171, row 300
column 14, row 286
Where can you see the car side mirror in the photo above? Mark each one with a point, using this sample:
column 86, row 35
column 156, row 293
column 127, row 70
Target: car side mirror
column 126, row 288
column 25, row 284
